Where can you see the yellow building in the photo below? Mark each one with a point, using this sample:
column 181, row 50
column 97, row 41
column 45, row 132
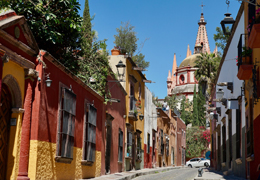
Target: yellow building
column 133, row 81
column 18, row 50
column 249, row 72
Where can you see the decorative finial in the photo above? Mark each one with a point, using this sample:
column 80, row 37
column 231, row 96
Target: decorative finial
column 202, row 7
column 227, row 2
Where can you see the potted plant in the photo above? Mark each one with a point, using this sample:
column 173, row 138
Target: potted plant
column 245, row 68
column 128, row 151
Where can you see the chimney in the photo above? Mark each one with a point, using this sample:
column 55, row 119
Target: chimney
column 115, row 52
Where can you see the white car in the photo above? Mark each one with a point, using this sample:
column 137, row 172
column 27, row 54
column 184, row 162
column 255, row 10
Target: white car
column 198, row 162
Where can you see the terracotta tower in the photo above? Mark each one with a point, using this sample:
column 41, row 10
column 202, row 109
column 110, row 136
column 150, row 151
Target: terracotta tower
column 202, row 37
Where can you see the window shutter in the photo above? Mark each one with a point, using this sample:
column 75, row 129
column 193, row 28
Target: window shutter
column 68, row 123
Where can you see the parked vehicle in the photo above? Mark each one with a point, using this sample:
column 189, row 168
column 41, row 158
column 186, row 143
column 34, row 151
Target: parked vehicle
column 198, row 162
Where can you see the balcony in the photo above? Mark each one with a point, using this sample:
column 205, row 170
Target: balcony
column 132, row 112
column 254, row 38
column 245, row 71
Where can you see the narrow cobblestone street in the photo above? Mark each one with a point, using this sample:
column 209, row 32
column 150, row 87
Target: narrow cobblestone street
column 176, row 174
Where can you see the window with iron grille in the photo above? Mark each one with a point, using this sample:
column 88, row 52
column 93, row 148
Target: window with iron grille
column 139, row 147
column 224, row 142
column 167, row 147
column 120, row 145
column 66, row 125
column 129, row 144
column 89, row 146
column 238, row 132
column 148, row 143
column 162, row 147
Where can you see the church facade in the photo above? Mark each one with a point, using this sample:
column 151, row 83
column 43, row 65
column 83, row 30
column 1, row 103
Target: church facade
column 181, row 80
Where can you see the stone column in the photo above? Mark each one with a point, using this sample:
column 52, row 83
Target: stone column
column 26, row 125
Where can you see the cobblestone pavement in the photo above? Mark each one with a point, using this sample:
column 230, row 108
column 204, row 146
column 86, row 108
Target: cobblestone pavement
column 176, row 174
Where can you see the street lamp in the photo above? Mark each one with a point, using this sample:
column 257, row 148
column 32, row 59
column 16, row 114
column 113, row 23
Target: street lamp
column 227, row 22
column 48, row 81
column 220, row 93
column 120, row 69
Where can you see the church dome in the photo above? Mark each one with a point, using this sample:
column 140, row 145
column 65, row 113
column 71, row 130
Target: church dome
column 190, row 60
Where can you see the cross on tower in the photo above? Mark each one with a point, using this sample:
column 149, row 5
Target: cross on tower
column 202, row 7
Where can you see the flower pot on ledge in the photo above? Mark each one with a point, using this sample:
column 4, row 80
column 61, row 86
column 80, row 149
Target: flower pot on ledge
column 254, row 38
column 245, row 71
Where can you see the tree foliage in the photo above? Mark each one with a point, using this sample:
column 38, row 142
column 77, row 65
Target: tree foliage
column 140, row 62
column 207, row 65
column 201, row 101
column 186, row 110
column 126, row 41
column 195, row 106
column 220, row 38
column 94, row 61
column 172, row 101
column 197, row 141
column 55, row 24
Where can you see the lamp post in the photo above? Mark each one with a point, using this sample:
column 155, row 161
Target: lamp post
column 227, row 22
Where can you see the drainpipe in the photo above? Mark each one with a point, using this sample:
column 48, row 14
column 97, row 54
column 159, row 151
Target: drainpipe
column 26, row 126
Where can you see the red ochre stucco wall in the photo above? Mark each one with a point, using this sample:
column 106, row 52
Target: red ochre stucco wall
column 148, row 157
column 44, row 126
column 117, row 110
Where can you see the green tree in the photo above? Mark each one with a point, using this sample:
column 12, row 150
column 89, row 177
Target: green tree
column 186, row 110
column 207, row 65
column 126, row 41
column 172, row 101
column 140, row 62
column 195, row 106
column 55, row 24
column 94, row 61
column 126, row 38
column 220, row 38
column 197, row 141
column 201, row 101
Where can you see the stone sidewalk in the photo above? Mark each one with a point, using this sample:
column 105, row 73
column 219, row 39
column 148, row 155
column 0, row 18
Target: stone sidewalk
column 132, row 174
column 210, row 174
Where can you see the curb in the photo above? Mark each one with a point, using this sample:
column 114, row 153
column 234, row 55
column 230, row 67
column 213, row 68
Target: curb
column 127, row 175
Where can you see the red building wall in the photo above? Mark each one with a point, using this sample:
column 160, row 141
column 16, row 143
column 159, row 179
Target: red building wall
column 117, row 110
column 46, row 106
column 148, row 158
column 181, row 140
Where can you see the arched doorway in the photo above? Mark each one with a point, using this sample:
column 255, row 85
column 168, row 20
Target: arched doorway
column 5, row 113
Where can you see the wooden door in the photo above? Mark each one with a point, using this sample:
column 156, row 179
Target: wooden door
column 5, row 113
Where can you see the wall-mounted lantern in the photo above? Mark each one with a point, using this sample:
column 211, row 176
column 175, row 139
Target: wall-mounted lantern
column 220, row 93
column 120, row 69
column 211, row 115
column 141, row 116
column 48, row 81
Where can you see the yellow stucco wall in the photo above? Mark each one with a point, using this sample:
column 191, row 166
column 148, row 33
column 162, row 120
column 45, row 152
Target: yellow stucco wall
column 42, row 164
column 17, row 72
column 14, row 148
column 137, row 124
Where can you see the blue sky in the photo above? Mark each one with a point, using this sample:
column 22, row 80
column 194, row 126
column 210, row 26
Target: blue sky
column 170, row 26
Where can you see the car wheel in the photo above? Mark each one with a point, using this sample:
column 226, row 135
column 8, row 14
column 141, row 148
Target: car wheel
column 190, row 166
column 206, row 164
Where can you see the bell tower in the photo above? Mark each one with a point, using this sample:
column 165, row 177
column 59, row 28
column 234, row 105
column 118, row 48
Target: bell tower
column 202, row 36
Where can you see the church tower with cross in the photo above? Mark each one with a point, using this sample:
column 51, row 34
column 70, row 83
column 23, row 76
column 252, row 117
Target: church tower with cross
column 181, row 80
